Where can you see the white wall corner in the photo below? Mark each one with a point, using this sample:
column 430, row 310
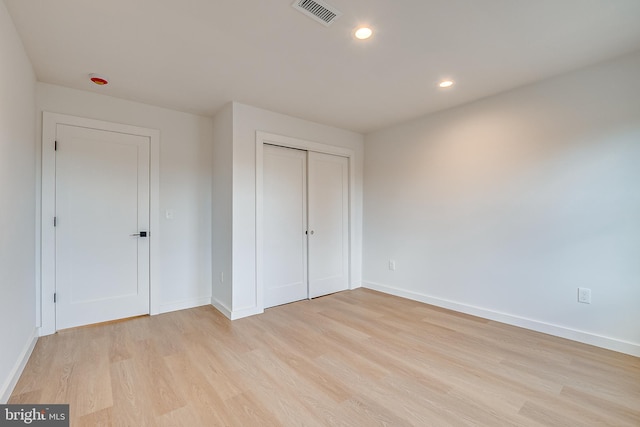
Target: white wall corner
column 221, row 307
column 14, row 375
column 608, row 343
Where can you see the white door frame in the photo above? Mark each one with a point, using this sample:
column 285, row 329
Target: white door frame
column 47, row 238
column 285, row 141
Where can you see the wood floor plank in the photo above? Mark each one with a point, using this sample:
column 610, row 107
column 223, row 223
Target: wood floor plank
column 205, row 397
column 358, row 358
column 38, row 365
column 102, row 418
column 156, row 377
column 93, row 379
column 131, row 404
column 616, row 408
column 280, row 387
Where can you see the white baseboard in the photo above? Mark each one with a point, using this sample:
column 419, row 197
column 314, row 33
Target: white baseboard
column 235, row 314
column 184, row 304
column 221, row 307
column 14, row 375
column 510, row 319
column 246, row 312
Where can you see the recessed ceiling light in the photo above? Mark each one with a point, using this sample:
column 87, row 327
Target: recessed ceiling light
column 445, row 84
column 363, row 33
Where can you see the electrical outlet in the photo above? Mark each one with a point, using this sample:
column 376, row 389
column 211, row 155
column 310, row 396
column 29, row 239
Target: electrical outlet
column 584, row 295
column 392, row 265
column 222, row 277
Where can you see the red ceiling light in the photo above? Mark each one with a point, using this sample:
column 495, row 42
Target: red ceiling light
column 98, row 79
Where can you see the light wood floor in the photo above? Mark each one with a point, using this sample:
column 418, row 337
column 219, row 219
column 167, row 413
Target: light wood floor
column 357, row 358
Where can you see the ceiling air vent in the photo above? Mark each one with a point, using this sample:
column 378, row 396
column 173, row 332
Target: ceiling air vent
column 317, row 10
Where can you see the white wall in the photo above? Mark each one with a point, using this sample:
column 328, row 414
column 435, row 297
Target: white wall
column 185, row 185
column 222, row 208
column 504, row 207
column 246, row 121
column 18, row 213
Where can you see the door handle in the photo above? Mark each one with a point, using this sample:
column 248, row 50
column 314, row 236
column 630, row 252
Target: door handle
column 141, row 234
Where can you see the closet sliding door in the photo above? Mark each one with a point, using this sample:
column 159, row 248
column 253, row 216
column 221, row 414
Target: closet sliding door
column 328, row 215
column 285, row 224
column 305, row 223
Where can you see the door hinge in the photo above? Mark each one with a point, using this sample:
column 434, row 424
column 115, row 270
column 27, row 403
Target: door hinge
column 55, row 297
column 55, row 221
column 55, row 145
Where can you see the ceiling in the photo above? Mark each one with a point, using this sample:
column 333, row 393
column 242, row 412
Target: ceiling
column 197, row 55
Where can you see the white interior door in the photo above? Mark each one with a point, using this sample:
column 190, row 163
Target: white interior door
column 284, row 222
column 101, row 202
column 328, row 207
